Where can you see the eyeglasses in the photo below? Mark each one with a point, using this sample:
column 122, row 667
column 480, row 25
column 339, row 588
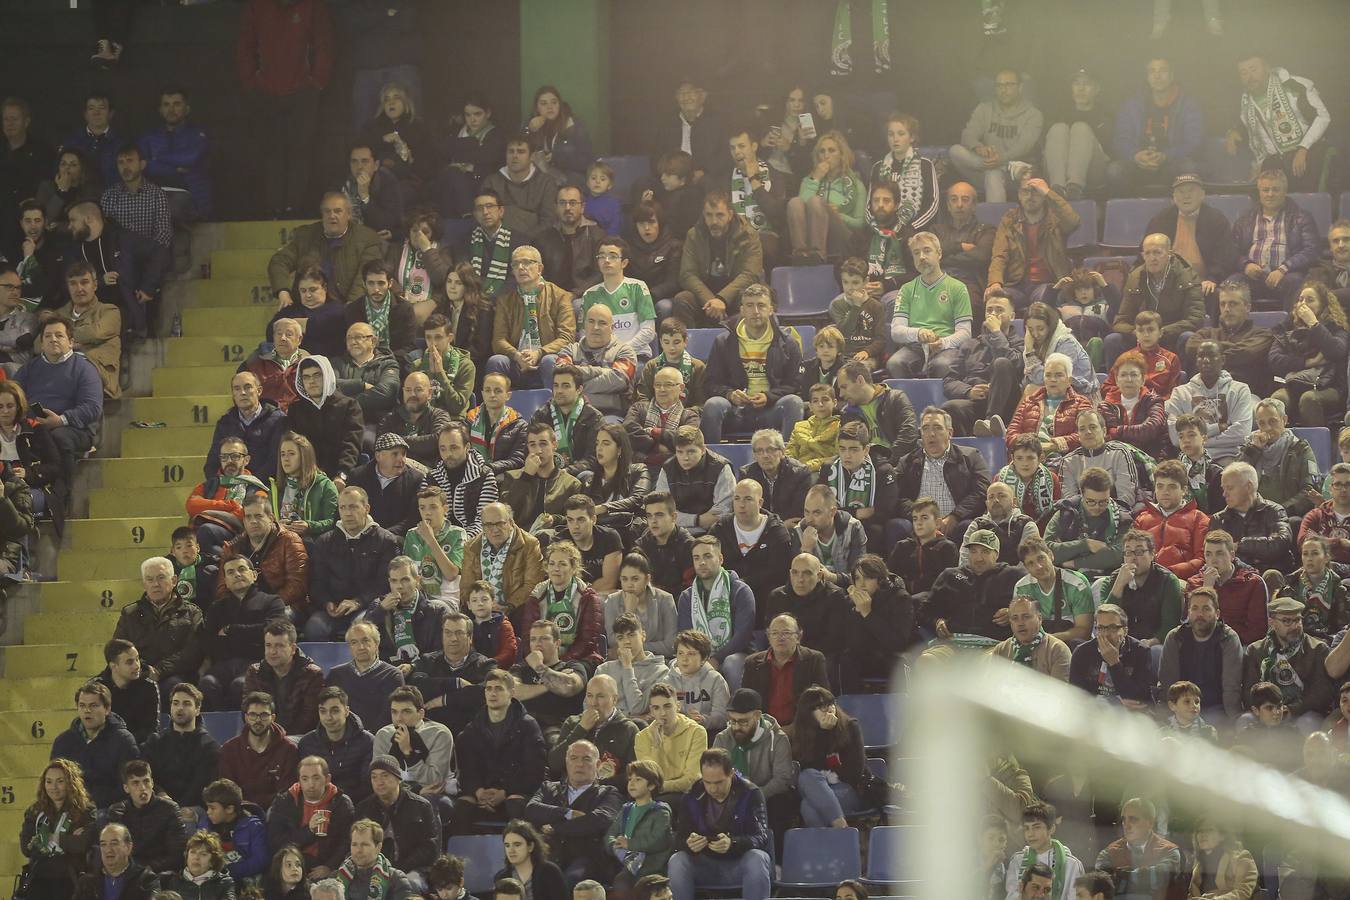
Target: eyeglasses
column 569, row 203
column 526, row 263
column 608, row 257
column 17, row 286
column 1137, row 551
column 257, row 716
column 233, row 456
column 481, row 207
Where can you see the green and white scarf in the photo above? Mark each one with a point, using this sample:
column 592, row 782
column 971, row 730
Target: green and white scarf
column 47, row 839
column 710, row 610
column 856, row 491
column 492, row 564
column 564, row 424
column 530, row 338
column 1282, row 124
column 841, row 44
column 906, row 174
column 743, row 196
column 1058, row 859
column 498, row 264
column 1318, row 597
column 885, row 251
column 401, row 629
column 1026, row 653
column 563, row 608
column 381, row 877
column 1277, row 667
column 1197, row 472
column 1042, row 486
column 377, row 317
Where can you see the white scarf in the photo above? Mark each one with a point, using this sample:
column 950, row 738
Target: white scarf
column 714, row 619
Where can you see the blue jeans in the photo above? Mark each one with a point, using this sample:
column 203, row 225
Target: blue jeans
column 822, row 802
column 733, row 670
column 753, row 869
column 718, row 411
column 503, row 365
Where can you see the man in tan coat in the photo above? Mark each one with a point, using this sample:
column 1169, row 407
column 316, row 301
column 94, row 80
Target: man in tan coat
column 506, row 556
column 1030, row 645
column 533, row 322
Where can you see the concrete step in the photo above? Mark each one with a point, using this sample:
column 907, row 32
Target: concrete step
column 230, row 321
column 167, row 501
column 88, row 597
column 178, row 411
column 152, row 471
column 32, row 727
column 107, row 563
column 126, row 533
column 207, row 351
column 231, row 293
column 209, row 379
column 167, row 441
column 260, row 235
column 240, row 263
column 53, row 660
column 90, row 628
column 21, row 761
column 41, row 693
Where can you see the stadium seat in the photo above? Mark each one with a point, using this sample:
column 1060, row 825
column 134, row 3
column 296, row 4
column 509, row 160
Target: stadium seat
column 935, row 153
column 526, row 402
column 701, row 341
column 1320, row 439
column 1318, row 206
column 816, row 858
column 922, row 392
column 993, row 449
column 992, row 213
column 327, row 654
column 1114, row 268
column 737, row 454
column 223, row 725
column 1268, row 318
column 808, row 336
column 1231, row 205
column 482, row 855
column 804, row 291
column 1127, row 219
column 1217, row 168
column 628, row 171
column 877, row 715
column 1085, row 235
column 885, row 854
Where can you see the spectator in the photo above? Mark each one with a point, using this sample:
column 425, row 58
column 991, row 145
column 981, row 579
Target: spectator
column 1136, row 415
column 537, row 491
column 781, row 673
column 570, row 246
column 452, row 372
column 640, row 836
column 915, row 198
column 314, row 815
column 392, row 484
column 653, row 607
column 887, row 412
column 1316, row 585
column 577, row 811
column 1115, row 667
column 1328, row 519
column 134, row 697
column 492, row 244
column 929, row 326
column 878, row 624
column 607, row 364
column 259, row 423
column 955, row 476
column 1050, row 412
column 239, row 827
column 1317, row 390
column 634, row 668
column 67, row 386
column 366, row 869
column 1333, row 269
column 151, row 818
column 815, row 439
column 1285, row 465
column 278, row 556
column 548, row 685
column 367, row 679
column 986, row 376
column 460, row 297
column 1008, row 520
column 827, row 743
column 1200, row 234
column 532, row 324
column 722, row 257
column 233, row 632
column 1259, row 526
column 97, row 329
column 98, row 140
column 1029, row 252
column 1220, row 408
column 527, row 194
column 368, row 374
column 261, row 759
column 699, row 481
column 753, row 541
column 416, row 420
column 1166, row 284
column 286, row 672
column 436, row 546
column 501, row 758
column 1086, row 531
column 1048, row 334
column 699, row 687
column 64, row 813
column 1074, row 156
column 1174, row 521
column 183, row 754
column 967, row 243
column 175, row 157
column 409, row 621
column 117, row 866
column 864, row 485
column 601, row 548
column 412, row 831
column 1125, row 463
column 469, row 484
column 383, row 307
column 673, row 741
column 1215, row 668
column 137, row 205
column 335, row 244
column 720, row 605
column 1245, row 345
column 98, row 742
column 1277, row 242
column 401, row 141
column 139, row 263
column 568, row 602
column 331, row 421
column 351, row 565
column 1151, row 594
column 74, row 178
column 603, row 722
column 527, row 860
column 674, row 190
column 616, row 485
column 373, row 192
column 204, row 870
column 1043, row 852
column 38, row 264
column 1242, row 595
column 342, row 742
column 1294, row 661
column 25, row 157
column 215, row 506
column 504, row 555
column 601, row 204
column 1063, row 597
column 497, row 431
column 277, row 369
column 829, row 535
column 694, row 130
column 999, row 133
column 1030, row 645
column 831, row 205
column 1221, row 860
column 165, row 629
column 423, row 750
column 559, row 142
column 731, row 844
column 1284, row 119
column 752, row 371
column 1158, row 134
column 756, row 196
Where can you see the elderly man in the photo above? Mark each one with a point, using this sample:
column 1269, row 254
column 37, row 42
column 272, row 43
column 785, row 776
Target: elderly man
column 1294, row 662
column 166, row 629
column 783, row 479
column 575, row 813
column 932, row 316
column 1001, row 133
column 504, row 555
column 1259, row 526
column 570, row 244
column 1166, row 284
column 1144, row 861
column 1222, row 404
column 451, row 677
column 690, row 128
column 409, row 621
column 1030, row 645
column 722, row 257
column 722, row 830
column 1215, row 668
column 534, row 321
column 118, row 874
column 368, row 374
column 1285, row 464
column 720, row 605
column 276, row 368
column 762, row 754
column 781, row 673
column 1115, row 667
column 391, row 484
column 1008, row 523
column 652, row 424
column 830, row 535
column 257, row 422
column 1285, row 122
column 753, row 369
column 367, row 679
column 603, row 723
column 607, row 364
column 335, row 244
column 967, row 243
column 1277, row 242
column 1200, row 234
column 754, row 542
column 953, row 475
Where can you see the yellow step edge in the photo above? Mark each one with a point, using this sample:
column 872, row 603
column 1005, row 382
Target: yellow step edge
column 123, row 533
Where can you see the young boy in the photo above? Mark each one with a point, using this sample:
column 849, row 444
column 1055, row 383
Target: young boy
column 1084, row 298
column 1183, row 699
column 437, row 546
column 829, row 345
column 627, row 298
column 1164, row 369
column 450, row 369
column 815, row 439
column 1343, row 448
column 1038, row 827
column 239, row 825
column 855, row 312
column 496, row 431
column 493, row 635
column 1201, row 473
column 675, row 354
column 681, row 201
column 196, row 576
column 1263, row 734
column 601, row 205
column 1035, row 487
column 920, row 559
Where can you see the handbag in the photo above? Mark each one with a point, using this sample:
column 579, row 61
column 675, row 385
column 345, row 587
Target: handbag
column 23, row 883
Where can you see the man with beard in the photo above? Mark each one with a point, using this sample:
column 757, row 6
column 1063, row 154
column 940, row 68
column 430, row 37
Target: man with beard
column 883, row 242
column 136, row 204
column 528, row 194
column 261, row 758
column 38, row 259
column 1207, row 653
column 215, row 506
column 762, row 753
column 1294, row 662
column 569, row 246
column 183, row 755
column 234, row 632
column 129, row 266
column 722, row 257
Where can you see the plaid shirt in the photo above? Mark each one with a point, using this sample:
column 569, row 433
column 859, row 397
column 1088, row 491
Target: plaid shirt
column 145, row 212
column 934, row 485
column 1270, row 241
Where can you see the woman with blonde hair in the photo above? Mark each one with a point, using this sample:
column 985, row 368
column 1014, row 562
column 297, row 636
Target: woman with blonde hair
column 203, row 876
column 830, row 206
column 399, row 140
column 1309, row 353
column 304, row 499
column 58, row 832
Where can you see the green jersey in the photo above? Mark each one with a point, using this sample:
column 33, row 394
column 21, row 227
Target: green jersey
column 937, row 308
column 1075, row 596
column 434, row 583
column 634, row 311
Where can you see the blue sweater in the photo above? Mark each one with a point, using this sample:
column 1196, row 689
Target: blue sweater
column 70, row 388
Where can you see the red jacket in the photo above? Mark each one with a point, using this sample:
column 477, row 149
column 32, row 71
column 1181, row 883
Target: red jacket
column 1179, row 538
column 274, row 382
column 590, row 625
column 1164, row 371
column 1027, row 419
column 1322, row 520
column 284, row 47
column 260, row 775
column 198, row 503
column 1242, row 603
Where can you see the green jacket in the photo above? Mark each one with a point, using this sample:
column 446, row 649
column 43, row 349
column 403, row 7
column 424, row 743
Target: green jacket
column 450, row 393
column 652, row 835
column 1296, row 473
column 319, row 504
column 745, row 263
column 846, row 196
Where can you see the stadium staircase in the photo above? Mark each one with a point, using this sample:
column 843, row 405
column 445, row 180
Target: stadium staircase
column 129, row 498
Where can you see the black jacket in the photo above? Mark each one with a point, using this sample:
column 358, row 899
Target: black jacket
column 707, row 140
column 583, row 435
column 458, row 688
column 262, row 436
column 976, row 363
column 886, row 632
column 787, row 495
column 183, row 763
column 885, row 498
column 625, row 513
column 402, row 325
column 243, row 622
column 1213, row 235
column 156, row 832
column 515, row 764
column 1133, row 676
column 582, row 837
column 141, row 884
column 1294, row 344
column 348, row 759
column 895, row 420
column 820, row 614
column 352, row 567
column 672, row 562
column 335, row 431
column 762, row 567
column 425, row 626
column 968, row 601
column 100, row 759
column 575, row 258
column 419, row 432
column 1264, row 538
column 395, row 506
column 137, row 704
column 657, row 263
column 412, row 830
column 140, row 263
column 283, row 827
column 726, row 372
column 965, row 472
column 169, row 639
column 613, row 737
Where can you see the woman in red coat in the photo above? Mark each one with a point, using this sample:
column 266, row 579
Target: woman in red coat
column 1056, row 401
column 1177, row 525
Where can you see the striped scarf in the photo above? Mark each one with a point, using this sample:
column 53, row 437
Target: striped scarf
column 381, row 877
column 1042, row 487
column 743, row 196
column 1283, row 126
column 377, row 316
column 906, row 174
column 857, row 490
column 498, row 265
column 663, row 418
column 479, row 438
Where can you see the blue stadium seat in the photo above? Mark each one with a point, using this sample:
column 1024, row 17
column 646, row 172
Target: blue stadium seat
column 1218, row 168
column 1320, row 439
column 737, row 454
column 1231, row 205
column 878, row 716
column 222, row 725
column 327, row 654
column 526, row 402
column 482, row 855
column 992, row 213
column 804, row 291
column 885, row 854
column 1343, row 211
column 1085, row 235
column 701, row 341
column 935, row 153
column 628, row 171
column 1127, row 219
column 815, row 858
column 1268, row 318
column 1318, row 206
column 993, row 449
column 921, row 391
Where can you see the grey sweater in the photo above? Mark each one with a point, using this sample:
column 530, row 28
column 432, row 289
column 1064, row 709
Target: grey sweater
column 1230, row 648
column 704, row 692
column 769, row 756
column 635, row 684
column 1013, row 133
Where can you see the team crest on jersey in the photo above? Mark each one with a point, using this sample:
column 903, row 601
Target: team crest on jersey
column 623, row 302
column 1159, row 366
column 565, row 621
column 942, row 297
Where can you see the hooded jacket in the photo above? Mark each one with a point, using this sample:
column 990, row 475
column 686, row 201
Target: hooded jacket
column 768, row 756
column 348, row 757
column 726, row 370
column 742, row 600
column 298, row 704
column 743, row 818
column 1246, row 352
column 705, row 692
column 476, row 488
column 522, row 570
column 244, row 841
column 260, row 775
column 1227, row 408
column 184, row 762
column 512, row 759
column 333, row 424
column 677, row 754
column 101, row 759
column 1264, row 538
column 635, row 683
column 1009, row 263
column 281, row 562
column 1179, row 539
column 285, row 825
column 743, row 258
column 156, row 833
column 169, row 637
column 352, row 564
column 412, row 830
column 614, row 738
column 243, row 621
column 1180, row 302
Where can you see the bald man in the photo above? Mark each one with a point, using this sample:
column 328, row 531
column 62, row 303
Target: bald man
column 602, row 723
column 608, row 364
column 754, row 542
column 416, row 420
column 1166, row 284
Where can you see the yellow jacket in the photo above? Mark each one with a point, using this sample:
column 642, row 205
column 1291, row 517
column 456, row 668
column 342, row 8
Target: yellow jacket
column 814, row 442
column 677, row 755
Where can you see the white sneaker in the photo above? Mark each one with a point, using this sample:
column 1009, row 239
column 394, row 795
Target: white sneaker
column 981, row 428
column 996, row 426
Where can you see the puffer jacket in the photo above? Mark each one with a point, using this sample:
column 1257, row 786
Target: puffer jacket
column 333, row 426
column 1027, row 418
column 101, row 759
column 1144, row 427
column 1179, row 538
column 155, row 831
column 1009, row 262
column 744, row 262
column 281, row 563
column 380, row 371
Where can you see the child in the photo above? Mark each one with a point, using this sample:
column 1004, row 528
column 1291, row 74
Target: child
column 437, row 546
column 815, row 439
column 1084, row 300
column 1337, row 725
column 829, row 344
column 1164, row 369
column 681, row 200
column 196, row 576
column 1038, row 827
column 627, row 298
column 493, row 635
column 1035, row 487
column 450, row 369
column 1183, row 699
column 1264, row 734
column 674, row 338
column 1202, row 474
column 601, row 205
column 993, row 850
column 640, row 836
column 1343, row 447
column 855, row 312
column 239, row 826
column 918, row 560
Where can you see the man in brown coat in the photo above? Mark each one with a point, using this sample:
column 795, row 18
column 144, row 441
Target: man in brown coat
column 335, row 243
column 1030, row 250
column 506, row 556
column 278, row 556
column 533, row 322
